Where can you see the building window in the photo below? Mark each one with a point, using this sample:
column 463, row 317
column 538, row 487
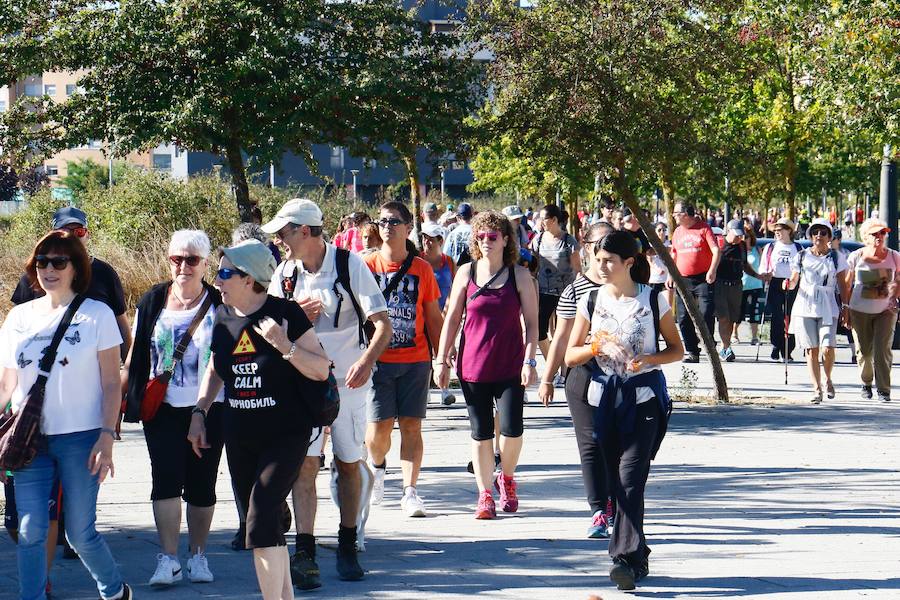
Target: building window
column 337, row 158
column 33, row 89
column 162, row 162
column 50, row 89
column 71, row 88
column 95, row 144
column 51, row 170
column 2, row 105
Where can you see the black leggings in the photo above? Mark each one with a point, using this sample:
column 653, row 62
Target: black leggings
column 630, row 456
column 510, row 397
column 594, row 470
column 175, row 469
column 263, row 473
column 546, row 308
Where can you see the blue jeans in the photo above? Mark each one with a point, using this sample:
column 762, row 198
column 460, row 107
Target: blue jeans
column 64, row 456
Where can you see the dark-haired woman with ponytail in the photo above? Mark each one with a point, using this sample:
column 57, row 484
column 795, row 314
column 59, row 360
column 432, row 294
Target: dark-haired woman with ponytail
column 616, row 334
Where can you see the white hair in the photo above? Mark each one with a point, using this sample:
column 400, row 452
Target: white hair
column 191, row 240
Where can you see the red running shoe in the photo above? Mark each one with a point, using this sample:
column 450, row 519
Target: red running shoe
column 486, row 508
column 509, row 502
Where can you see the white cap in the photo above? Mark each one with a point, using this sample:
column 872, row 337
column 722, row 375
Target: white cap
column 432, row 229
column 820, row 222
column 298, row 211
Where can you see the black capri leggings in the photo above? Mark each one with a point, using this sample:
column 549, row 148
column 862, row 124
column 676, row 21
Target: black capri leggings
column 262, row 474
column 175, row 469
column 546, row 307
column 510, row 397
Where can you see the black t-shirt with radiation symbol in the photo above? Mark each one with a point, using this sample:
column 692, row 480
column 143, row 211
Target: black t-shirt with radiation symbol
column 262, row 390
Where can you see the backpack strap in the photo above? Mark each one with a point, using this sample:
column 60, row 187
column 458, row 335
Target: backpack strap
column 591, row 303
column 289, row 284
column 654, row 308
column 342, row 267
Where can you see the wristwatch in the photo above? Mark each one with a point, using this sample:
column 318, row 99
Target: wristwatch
column 530, row 362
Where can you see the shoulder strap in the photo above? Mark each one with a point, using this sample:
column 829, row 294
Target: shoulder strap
column 515, row 283
column 802, row 255
column 289, row 284
column 46, row 363
column 767, row 256
column 482, row 288
column 798, row 246
column 834, row 258
column 181, row 348
column 654, row 308
column 342, row 266
column 399, row 275
column 591, row 303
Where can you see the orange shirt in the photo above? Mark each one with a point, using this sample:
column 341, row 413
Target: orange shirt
column 406, row 307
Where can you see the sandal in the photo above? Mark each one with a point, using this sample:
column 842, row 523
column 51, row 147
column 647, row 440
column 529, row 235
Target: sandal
column 817, row 397
column 829, row 389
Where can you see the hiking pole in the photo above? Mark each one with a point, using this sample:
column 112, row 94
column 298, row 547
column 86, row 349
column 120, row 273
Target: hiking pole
column 763, row 320
column 786, row 325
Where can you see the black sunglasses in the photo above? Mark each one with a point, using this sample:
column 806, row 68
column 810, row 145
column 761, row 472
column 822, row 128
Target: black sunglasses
column 42, row 261
column 192, row 261
column 392, row 222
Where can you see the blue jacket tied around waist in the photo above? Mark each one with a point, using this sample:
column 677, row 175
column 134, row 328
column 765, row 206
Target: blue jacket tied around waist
column 618, row 403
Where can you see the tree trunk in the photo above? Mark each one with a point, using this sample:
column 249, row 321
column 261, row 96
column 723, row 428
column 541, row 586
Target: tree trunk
column 412, row 171
column 235, row 161
column 667, row 181
column 790, row 183
column 693, row 309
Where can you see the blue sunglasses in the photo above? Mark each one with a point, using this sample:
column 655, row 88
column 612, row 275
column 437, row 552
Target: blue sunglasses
column 226, row 274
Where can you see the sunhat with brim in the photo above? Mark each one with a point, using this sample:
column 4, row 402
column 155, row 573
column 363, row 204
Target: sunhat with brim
column 253, row 258
column 785, row 222
column 870, row 226
column 821, row 224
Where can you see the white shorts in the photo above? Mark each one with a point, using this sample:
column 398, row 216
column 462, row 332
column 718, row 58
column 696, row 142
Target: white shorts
column 810, row 332
column 348, row 432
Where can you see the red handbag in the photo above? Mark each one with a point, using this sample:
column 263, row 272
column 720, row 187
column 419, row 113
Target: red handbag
column 155, row 390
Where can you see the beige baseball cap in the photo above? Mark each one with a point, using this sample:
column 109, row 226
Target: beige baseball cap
column 299, row 211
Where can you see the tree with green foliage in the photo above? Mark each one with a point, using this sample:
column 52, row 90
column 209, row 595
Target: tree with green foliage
column 85, row 173
column 606, row 87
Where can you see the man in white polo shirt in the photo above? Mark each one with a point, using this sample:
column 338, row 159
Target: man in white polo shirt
column 313, row 275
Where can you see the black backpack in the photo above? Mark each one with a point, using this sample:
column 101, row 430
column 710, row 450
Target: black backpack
column 654, row 308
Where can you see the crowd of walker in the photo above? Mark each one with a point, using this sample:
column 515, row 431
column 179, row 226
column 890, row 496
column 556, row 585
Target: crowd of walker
column 233, row 364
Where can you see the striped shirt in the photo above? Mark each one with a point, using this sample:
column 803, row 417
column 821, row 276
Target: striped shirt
column 568, row 300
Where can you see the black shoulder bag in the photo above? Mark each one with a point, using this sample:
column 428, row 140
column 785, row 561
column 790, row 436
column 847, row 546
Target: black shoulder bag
column 20, row 433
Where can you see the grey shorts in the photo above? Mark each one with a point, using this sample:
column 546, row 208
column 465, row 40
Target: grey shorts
column 811, row 333
column 399, row 390
column 728, row 298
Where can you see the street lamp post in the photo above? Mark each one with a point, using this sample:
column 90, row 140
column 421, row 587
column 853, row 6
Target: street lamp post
column 887, row 209
column 354, row 172
column 727, row 198
column 442, row 168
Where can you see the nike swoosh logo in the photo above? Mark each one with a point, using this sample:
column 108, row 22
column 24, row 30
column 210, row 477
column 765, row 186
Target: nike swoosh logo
column 649, row 418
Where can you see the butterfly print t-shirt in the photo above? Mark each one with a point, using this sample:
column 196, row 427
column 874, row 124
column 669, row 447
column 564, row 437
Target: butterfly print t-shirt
column 74, row 398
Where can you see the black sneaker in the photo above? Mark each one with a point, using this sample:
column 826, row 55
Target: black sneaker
column 347, row 564
column 690, row 357
column 866, row 392
column 470, row 467
column 622, row 574
column 238, row 542
column 126, row 592
column 305, row 571
column 641, row 571
column 776, row 353
column 884, row 397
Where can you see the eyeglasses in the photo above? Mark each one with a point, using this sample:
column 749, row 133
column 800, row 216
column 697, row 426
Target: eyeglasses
column 192, row 261
column 392, row 222
column 42, row 261
column 225, row 274
column 76, row 231
column 487, row 235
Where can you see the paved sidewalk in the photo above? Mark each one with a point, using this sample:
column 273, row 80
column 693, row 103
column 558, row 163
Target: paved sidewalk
column 784, row 501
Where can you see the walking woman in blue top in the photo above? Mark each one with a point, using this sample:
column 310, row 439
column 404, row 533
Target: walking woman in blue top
column 617, row 329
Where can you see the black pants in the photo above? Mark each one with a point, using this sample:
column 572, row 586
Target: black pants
column 630, row 457
column 175, row 469
column 775, row 307
column 546, row 309
column 594, row 470
column 703, row 294
column 263, row 473
column 480, row 397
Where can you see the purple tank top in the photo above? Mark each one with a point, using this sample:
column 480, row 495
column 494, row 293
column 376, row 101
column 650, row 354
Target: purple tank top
column 492, row 347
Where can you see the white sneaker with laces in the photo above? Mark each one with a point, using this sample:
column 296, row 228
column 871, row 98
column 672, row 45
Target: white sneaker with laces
column 198, row 569
column 411, row 504
column 378, row 485
column 168, row 571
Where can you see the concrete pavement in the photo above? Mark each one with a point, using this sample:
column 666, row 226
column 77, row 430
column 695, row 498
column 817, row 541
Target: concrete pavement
column 775, row 500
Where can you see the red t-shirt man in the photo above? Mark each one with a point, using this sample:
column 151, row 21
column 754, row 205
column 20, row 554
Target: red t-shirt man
column 692, row 248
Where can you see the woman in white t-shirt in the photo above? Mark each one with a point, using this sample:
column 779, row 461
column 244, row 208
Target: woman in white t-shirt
column 81, row 408
column 615, row 332
column 875, row 279
column 163, row 316
column 816, row 313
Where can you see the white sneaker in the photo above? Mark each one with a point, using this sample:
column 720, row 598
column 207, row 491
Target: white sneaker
column 378, row 485
column 198, row 569
column 168, row 571
column 411, row 504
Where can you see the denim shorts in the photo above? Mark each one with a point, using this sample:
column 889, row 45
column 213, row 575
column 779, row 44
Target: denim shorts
column 399, row 390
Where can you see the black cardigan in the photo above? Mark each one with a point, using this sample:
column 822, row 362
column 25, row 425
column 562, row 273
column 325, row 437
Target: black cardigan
column 150, row 306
